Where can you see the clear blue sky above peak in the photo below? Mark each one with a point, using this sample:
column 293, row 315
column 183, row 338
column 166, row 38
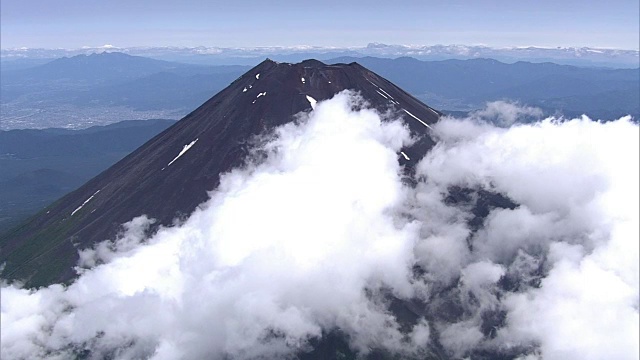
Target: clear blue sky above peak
column 124, row 23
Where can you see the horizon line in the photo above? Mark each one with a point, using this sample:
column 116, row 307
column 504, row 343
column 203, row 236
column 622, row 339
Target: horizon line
column 371, row 45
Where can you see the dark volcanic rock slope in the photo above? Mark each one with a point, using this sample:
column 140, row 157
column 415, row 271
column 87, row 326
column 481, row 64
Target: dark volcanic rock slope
column 170, row 175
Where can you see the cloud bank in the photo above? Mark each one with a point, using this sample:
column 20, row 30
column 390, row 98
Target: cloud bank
column 519, row 240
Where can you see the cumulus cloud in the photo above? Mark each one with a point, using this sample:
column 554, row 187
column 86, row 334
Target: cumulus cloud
column 284, row 249
column 567, row 253
column 520, row 241
column 506, row 113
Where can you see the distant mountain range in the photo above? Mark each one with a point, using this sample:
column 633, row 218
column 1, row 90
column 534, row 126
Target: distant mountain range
column 582, row 56
column 468, row 84
column 98, row 89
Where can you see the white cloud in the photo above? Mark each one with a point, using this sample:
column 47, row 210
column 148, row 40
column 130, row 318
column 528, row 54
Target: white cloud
column 576, row 186
column 506, row 113
column 313, row 237
column 283, row 250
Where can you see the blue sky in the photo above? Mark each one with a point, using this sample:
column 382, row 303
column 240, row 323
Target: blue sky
column 124, row 23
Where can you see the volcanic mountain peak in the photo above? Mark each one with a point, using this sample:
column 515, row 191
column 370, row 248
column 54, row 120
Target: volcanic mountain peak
column 170, row 175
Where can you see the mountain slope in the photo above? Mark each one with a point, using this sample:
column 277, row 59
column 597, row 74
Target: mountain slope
column 169, row 176
column 40, row 166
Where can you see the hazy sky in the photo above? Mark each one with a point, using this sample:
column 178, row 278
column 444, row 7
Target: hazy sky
column 76, row 23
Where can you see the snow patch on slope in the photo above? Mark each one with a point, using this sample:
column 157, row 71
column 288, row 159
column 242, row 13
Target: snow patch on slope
column 84, row 203
column 184, row 150
column 311, row 101
column 415, row 117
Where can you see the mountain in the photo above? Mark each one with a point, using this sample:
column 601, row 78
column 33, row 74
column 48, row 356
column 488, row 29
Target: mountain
column 170, row 175
column 112, row 66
